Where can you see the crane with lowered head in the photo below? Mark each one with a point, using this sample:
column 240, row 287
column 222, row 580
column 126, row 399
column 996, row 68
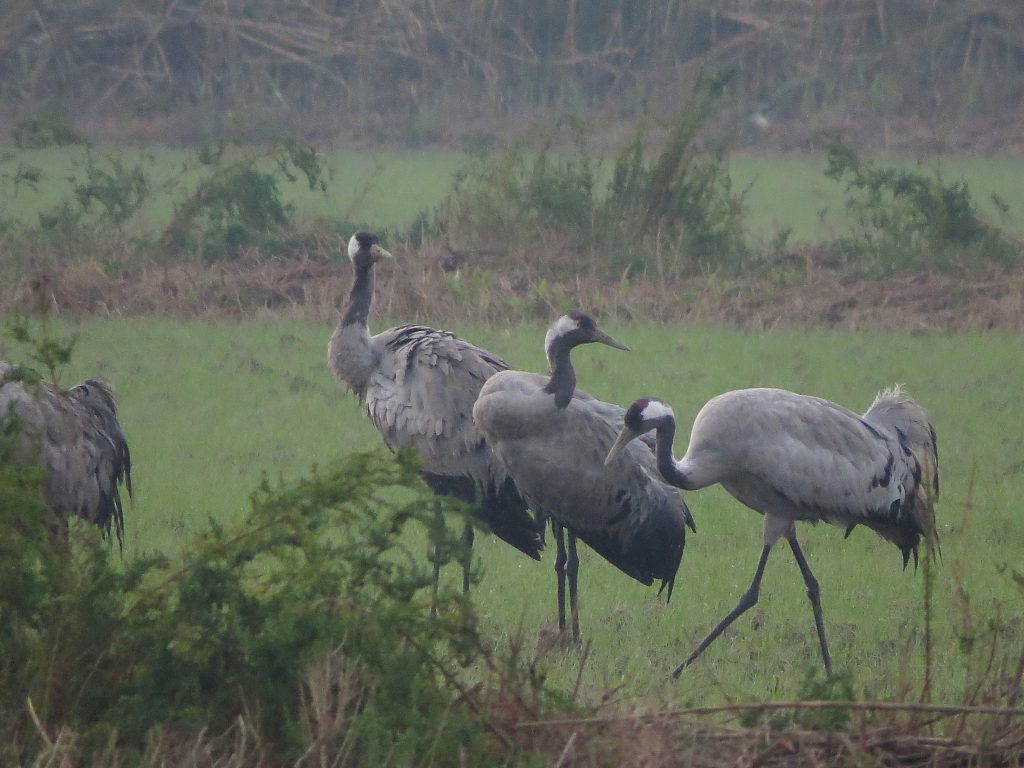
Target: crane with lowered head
column 799, row 458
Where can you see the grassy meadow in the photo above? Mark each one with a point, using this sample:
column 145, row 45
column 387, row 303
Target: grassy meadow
column 210, row 407
column 391, row 187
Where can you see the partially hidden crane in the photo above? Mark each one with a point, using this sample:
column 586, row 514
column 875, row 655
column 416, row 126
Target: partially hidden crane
column 798, row 458
column 75, row 438
column 419, row 385
column 552, row 439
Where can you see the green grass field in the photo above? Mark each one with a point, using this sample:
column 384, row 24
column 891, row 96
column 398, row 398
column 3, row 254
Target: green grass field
column 389, row 188
column 211, row 407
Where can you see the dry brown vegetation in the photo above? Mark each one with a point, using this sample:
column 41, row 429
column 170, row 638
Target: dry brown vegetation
column 891, row 74
column 879, row 734
column 911, row 735
column 429, row 284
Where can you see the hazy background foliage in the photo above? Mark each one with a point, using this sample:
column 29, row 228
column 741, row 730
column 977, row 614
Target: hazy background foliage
column 596, row 144
column 890, row 73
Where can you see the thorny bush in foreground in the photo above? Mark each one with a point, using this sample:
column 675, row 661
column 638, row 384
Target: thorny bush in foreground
column 309, row 621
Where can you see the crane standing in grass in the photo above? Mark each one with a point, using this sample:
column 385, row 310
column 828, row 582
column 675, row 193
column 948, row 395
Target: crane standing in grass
column 552, row 439
column 75, row 437
column 419, row 385
column 797, row 458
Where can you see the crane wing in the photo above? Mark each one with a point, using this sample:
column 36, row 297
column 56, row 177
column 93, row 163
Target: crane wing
column 627, row 514
column 421, row 397
column 422, row 393
column 806, row 458
column 76, row 438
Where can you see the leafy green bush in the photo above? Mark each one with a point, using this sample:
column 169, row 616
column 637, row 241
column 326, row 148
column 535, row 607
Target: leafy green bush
column 46, row 349
column 49, row 128
column 309, row 620
column 115, row 187
column 313, row 603
column 30, row 575
column 905, row 219
column 24, row 174
column 670, row 213
column 681, row 205
column 512, row 196
column 238, row 202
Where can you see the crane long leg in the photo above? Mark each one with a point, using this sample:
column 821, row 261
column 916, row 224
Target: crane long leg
column 439, row 521
column 813, row 595
column 747, row 601
column 572, row 571
column 467, row 538
column 560, row 560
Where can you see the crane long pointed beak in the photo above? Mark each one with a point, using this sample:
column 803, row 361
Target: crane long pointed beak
column 625, row 438
column 379, row 252
column 604, row 338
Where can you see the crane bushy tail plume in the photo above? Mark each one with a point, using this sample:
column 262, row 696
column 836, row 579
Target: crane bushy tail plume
column 894, row 410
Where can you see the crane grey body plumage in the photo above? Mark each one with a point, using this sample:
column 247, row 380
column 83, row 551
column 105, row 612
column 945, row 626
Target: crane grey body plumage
column 552, row 438
column 419, row 385
column 799, row 458
column 75, row 438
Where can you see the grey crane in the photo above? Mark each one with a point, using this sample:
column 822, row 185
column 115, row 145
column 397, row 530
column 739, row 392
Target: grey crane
column 75, row 437
column 419, row 385
column 552, row 438
column 799, row 458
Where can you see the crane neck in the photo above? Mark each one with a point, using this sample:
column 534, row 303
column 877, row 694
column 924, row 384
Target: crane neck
column 359, row 298
column 351, row 353
column 562, row 383
column 667, row 465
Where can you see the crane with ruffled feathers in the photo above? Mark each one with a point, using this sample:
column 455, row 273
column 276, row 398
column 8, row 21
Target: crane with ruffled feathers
column 796, row 458
column 552, row 439
column 75, row 438
column 419, row 385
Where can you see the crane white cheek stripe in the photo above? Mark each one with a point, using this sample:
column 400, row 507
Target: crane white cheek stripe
column 656, row 410
column 562, row 326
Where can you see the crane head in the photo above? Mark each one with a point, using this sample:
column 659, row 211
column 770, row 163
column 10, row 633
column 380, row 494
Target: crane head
column 642, row 416
column 575, row 328
column 97, row 393
column 364, row 249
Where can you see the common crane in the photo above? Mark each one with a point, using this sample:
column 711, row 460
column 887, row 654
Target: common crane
column 798, row 458
column 75, row 438
column 419, row 385
column 553, row 438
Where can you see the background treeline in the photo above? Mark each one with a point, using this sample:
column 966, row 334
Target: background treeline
column 887, row 73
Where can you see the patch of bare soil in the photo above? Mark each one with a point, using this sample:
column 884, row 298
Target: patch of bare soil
column 428, row 288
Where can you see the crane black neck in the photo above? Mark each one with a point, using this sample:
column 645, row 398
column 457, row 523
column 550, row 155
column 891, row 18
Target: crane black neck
column 666, row 434
column 358, row 310
column 562, row 383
